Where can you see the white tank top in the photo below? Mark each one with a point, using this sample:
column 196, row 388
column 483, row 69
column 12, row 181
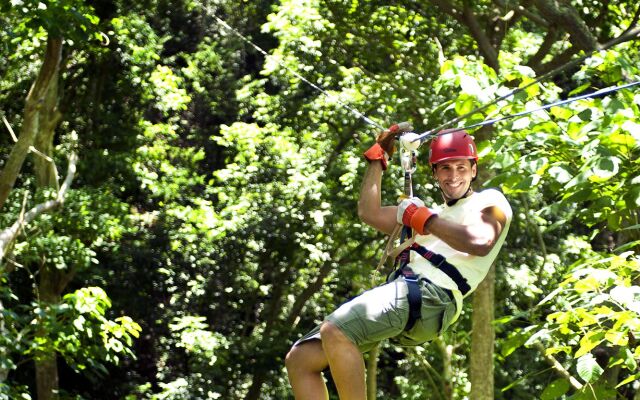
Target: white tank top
column 473, row 268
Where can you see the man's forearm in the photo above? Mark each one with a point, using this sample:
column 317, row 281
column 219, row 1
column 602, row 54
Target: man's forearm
column 370, row 192
column 477, row 239
column 370, row 208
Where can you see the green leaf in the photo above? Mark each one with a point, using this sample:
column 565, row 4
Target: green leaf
column 585, row 114
column 588, row 368
column 555, row 389
column 560, row 174
column 464, row 105
column 617, row 337
column 521, row 123
column 629, row 380
column 580, row 89
column 589, row 342
column 513, row 342
column 629, row 360
column 605, row 168
column 561, row 112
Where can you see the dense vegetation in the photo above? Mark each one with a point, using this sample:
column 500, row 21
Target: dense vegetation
column 178, row 206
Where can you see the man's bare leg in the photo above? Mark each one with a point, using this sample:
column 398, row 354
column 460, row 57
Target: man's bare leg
column 305, row 363
column 346, row 363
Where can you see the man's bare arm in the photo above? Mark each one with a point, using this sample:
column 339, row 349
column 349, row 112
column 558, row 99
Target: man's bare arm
column 370, row 208
column 477, row 239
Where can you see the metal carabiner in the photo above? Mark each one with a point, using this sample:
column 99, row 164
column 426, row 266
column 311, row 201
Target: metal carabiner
column 408, row 160
column 408, row 163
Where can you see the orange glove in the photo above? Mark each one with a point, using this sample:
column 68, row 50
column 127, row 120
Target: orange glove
column 413, row 213
column 385, row 143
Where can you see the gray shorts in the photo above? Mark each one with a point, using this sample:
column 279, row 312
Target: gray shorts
column 382, row 313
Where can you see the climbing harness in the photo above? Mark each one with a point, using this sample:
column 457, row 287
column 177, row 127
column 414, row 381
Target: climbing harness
column 414, row 294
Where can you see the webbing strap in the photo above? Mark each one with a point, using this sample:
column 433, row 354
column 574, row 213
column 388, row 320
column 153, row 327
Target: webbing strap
column 414, row 296
column 388, row 248
column 443, row 265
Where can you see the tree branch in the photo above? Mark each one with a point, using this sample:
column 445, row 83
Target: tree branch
column 468, row 18
column 8, row 235
column 634, row 21
column 523, row 11
column 561, row 13
column 560, row 369
column 559, row 63
column 544, row 49
column 489, row 53
column 626, row 36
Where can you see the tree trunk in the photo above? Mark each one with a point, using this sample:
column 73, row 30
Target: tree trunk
column 372, row 372
column 52, row 280
column 41, row 91
column 446, row 351
column 49, row 72
column 50, row 287
column 47, row 383
column 48, row 119
column 482, row 339
column 46, row 363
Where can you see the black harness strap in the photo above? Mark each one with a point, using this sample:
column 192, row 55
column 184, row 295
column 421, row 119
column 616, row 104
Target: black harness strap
column 443, row 265
column 414, row 295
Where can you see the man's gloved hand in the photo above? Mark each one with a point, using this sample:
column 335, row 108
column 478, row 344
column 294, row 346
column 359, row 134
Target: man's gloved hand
column 385, row 143
column 413, row 213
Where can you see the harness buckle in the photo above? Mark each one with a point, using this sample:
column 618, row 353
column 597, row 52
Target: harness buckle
column 411, row 278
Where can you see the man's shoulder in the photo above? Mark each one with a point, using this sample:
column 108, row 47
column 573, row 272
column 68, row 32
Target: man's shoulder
column 489, row 192
column 493, row 197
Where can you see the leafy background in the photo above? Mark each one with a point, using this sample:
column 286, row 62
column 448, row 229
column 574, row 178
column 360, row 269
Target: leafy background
column 212, row 218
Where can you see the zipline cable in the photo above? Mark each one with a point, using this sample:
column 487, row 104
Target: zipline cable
column 432, row 132
column 553, row 72
column 313, row 85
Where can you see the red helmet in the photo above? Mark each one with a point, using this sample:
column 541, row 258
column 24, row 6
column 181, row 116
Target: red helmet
column 451, row 143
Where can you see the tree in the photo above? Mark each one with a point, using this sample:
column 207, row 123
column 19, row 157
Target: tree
column 41, row 117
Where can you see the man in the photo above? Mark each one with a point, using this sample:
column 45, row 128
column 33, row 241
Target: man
column 451, row 253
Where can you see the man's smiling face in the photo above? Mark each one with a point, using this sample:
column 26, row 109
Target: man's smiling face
column 455, row 176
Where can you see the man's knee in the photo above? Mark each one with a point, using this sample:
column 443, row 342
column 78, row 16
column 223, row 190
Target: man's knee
column 293, row 357
column 305, row 357
column 330, row 332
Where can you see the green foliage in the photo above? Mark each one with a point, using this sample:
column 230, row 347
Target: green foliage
column 203, row 348
column 582, row 156
column 217, row 191
column 601, row 308
column 79, row 331
column 72, row 19
column 92, row 219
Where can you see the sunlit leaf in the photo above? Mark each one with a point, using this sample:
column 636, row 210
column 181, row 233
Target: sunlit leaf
column 588, row 368
column 555, row 389
column 589, row 341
